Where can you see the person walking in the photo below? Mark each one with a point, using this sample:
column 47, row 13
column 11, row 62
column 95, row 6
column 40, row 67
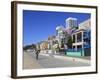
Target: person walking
column 37, row 53
column 65, row 49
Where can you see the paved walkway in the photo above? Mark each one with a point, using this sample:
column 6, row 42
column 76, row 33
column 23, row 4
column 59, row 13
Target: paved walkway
column 46, row 61
column 29, row 62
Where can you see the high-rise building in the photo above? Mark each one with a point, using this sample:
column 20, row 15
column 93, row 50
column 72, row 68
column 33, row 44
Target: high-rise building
column 61, row 35
column 71, row 22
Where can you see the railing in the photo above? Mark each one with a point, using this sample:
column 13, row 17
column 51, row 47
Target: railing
column 74, row 50
column 78, row 50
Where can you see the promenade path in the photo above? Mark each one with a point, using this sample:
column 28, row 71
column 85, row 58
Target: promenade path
column 46, row 61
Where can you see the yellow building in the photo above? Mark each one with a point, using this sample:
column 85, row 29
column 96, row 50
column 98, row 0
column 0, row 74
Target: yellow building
column 44, row 45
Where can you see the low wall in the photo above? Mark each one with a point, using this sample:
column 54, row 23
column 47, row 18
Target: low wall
column 84, row 52
column 78, row 53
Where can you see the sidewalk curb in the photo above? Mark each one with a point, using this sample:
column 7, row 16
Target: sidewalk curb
column 74, row 59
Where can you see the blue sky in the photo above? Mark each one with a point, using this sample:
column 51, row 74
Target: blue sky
column 38, row 25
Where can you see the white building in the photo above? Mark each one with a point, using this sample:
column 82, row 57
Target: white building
column 80, row 35
column 77, row 37
column 71, row 22
column 86, row 25
column 61, row 35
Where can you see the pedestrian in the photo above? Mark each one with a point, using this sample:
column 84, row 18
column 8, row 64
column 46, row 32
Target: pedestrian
column 65, row 49
column 37, row 53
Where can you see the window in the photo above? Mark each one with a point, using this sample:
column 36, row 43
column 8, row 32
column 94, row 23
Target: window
column 79, row 37
column 79, row 47
column 73, row 38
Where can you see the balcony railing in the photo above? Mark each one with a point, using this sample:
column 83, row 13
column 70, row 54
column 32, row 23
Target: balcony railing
column 74, row 50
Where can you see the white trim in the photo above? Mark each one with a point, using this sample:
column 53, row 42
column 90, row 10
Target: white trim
column 22, row 72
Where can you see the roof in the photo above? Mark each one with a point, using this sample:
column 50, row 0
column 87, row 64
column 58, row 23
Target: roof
column 71, row 18
column 78, row 30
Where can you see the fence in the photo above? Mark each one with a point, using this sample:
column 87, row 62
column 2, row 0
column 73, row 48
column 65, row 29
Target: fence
column 79, row 52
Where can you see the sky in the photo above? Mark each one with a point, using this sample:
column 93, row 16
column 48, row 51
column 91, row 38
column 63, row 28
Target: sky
column 38, row 25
